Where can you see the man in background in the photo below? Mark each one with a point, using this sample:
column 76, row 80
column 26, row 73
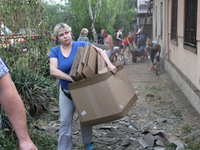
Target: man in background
column 108, row 43
column 142, row 39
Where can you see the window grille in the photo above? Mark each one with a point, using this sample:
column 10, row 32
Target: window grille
column 174, row 20
column 190, row 23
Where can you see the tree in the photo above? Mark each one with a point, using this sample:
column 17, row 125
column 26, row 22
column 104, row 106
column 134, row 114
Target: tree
column 93, row 15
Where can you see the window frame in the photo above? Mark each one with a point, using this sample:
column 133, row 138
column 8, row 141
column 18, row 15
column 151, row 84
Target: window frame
column 190, row 25
column 174, row 22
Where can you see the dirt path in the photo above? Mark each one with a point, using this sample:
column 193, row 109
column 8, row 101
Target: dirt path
column 160, row 105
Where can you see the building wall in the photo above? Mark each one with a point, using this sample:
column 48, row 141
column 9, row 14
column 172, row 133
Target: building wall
column 187, row 61
column 182, row 64
column 159, row 24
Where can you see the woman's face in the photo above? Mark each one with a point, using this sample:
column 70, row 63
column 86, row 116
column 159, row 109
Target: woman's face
column 64, row 36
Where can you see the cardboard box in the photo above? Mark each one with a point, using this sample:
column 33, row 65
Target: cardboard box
column 73, row 73
column 90, row 66
column 103, row 97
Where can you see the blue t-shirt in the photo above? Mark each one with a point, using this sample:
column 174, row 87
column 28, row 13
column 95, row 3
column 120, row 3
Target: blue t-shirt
column 65, row 63
column 3, row 68
column 143, row 38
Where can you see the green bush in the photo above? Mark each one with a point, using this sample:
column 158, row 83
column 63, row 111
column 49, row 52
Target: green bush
column 35, row 89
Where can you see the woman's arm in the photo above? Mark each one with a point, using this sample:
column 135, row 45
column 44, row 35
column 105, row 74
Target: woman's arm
column 118, row 36
column 106, row 59
column 54, row 71
column 134, row 44
column 129, row 43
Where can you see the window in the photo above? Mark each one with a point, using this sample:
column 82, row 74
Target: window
column 174, row 20
column 190, row 23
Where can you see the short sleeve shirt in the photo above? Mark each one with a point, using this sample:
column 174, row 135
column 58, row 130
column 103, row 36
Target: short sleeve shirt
column 65, row 63
column 130, row 40
column 83, row 38
column 143, row 38
column 3, row 68
column 154, row 46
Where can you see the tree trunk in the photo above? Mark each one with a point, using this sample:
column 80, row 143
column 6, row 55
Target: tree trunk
column 93, row 16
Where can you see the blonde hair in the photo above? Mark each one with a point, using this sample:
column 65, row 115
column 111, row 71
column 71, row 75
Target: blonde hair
column 60, row 26
column 84, row 32
column 149, row 42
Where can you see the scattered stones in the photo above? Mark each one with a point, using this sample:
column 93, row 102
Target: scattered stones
column 126, row 141
column 193, row 135
column 161, row 120
column 149, row 139
column 178, row 143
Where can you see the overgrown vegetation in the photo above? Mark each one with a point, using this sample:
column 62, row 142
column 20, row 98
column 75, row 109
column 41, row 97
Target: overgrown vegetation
column 27, row 56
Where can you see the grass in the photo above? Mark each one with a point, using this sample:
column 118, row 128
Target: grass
column 170, row 145
column 42, row 139
column 156, row 89
column 192, row 144
column 177, row 113
column 186, row 128
column 150, row 95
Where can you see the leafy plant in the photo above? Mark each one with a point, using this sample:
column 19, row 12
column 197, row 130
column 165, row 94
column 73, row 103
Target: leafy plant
column 177, row 113
column 7, row 142
column 34, row 89
column 150, row 95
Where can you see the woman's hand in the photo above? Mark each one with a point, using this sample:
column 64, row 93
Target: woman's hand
column 112, row 68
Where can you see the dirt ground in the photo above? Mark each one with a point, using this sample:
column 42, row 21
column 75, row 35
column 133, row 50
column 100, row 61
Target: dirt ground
column 159, row 98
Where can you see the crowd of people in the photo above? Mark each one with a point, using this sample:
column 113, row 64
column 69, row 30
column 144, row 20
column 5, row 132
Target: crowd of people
column 142, row 43
column 61, row 60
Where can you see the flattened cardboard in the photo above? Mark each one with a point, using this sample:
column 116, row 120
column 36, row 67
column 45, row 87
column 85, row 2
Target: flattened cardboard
column 101, row 63
column 103, row 97
column 80, row 65
column 90, row 66
column 73, row 72
column 92, row 61
column 85, row 54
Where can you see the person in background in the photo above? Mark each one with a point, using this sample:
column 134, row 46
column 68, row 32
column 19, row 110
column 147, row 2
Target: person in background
column 61, row 60
column 100, row 38
column 14, row 108
column 83, row 35
column 143, row 37
column 154, row 50
column 139, row 29
column 108, row 43
column 127, row 43
column 118, row 50
column 119, row 37
column 137, row 34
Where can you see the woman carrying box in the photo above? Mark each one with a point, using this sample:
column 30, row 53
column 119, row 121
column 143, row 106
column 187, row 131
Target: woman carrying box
column 61, row 60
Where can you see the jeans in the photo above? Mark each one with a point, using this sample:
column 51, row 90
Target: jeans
column 142, row 48
column 66, row 117
column 152, row 54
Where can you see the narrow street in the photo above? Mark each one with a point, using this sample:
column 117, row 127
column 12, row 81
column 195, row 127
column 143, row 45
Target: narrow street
column 161, row 107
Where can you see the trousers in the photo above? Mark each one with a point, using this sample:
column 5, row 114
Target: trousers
column 67, row 109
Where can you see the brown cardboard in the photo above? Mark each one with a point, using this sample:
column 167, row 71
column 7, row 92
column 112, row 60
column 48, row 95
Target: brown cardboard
column 85, row 54
column 103, row 97
column 80, row 65
column 73, row 71
column 90, row 66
